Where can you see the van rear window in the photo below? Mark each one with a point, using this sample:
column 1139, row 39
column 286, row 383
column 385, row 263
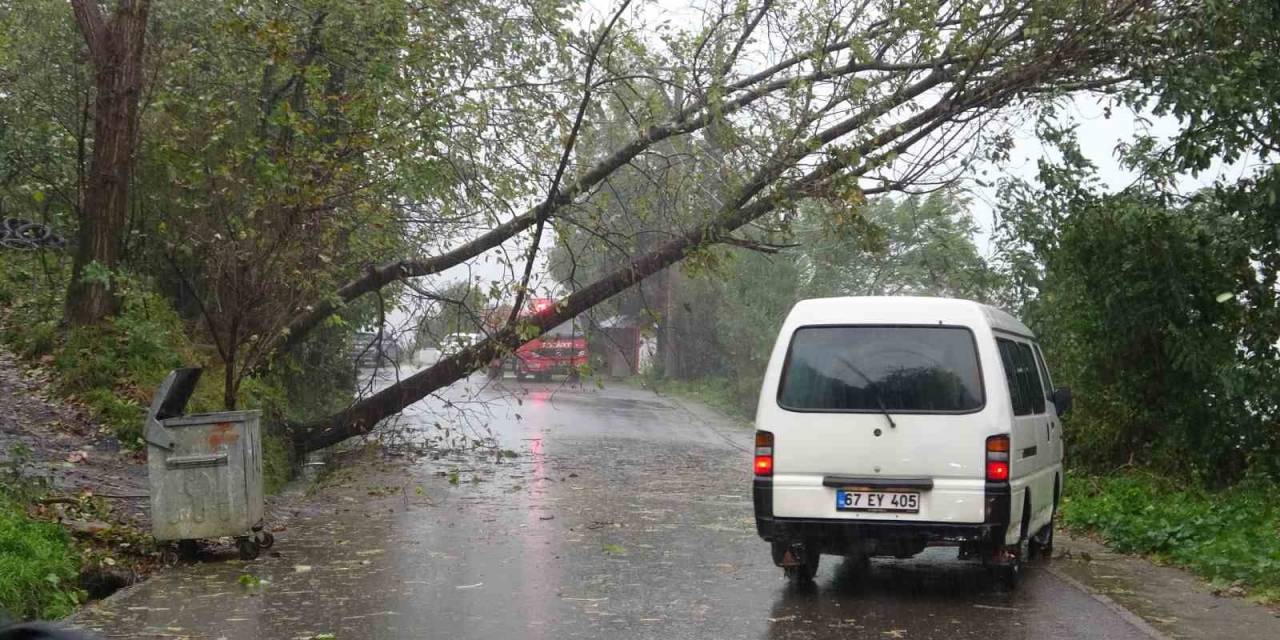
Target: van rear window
column 928, row 369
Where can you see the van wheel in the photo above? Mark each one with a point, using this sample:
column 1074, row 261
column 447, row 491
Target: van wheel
column 799, row 562
column 1009, row 572
column 1041, row 545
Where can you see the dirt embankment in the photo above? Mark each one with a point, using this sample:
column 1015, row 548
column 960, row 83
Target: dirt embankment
column 77, row 474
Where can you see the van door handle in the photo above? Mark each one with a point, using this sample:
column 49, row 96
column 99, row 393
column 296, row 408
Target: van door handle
column 1048, row 431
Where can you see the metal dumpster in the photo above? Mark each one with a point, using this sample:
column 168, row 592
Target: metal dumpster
column 205, row 471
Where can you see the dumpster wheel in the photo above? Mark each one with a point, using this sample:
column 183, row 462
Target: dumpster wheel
column 248, row 547
column 188, row 550
column 265, row 539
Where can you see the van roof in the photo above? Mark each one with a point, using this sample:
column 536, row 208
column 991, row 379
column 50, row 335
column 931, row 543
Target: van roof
column 903, row 310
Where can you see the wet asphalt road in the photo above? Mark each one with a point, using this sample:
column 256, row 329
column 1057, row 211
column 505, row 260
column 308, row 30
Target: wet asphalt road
column 626, row 515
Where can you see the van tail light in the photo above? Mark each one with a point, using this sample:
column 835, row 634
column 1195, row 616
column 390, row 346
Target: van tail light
column 998, row 459
column 764, row 453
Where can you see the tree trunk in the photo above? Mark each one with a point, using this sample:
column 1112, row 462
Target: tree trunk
column 115, row 53
column 361, row 417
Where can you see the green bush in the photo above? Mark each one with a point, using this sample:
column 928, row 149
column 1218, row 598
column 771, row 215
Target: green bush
column 277, row 462
column 39, row 566
column 1223, row 535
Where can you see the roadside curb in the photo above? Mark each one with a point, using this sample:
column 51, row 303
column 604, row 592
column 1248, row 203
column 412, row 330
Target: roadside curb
column 1106, row 601
column 709, row 415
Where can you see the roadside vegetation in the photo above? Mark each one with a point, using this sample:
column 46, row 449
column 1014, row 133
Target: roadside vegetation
column 113, row 368
column 39, row 563
column 1229, row 535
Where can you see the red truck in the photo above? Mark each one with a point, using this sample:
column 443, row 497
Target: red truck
column 560, row 351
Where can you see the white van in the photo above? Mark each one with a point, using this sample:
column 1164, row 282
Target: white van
column 888, row 424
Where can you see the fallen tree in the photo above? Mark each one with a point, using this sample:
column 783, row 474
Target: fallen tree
column 929, row 110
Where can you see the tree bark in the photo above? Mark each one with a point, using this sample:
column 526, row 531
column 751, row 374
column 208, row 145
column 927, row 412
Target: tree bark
column 115, row 53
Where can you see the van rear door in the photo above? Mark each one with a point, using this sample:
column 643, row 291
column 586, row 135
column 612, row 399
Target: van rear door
column 879, row 422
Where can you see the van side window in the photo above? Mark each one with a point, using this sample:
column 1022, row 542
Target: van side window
column 1020, row 374
column 1008, row 357
column 1030, row 377
column 1044, row 375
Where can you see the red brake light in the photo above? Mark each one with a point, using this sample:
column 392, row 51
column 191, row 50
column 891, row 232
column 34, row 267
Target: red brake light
column 998, row 459
column 764, row 465
column 764, row 453
column 997, row 471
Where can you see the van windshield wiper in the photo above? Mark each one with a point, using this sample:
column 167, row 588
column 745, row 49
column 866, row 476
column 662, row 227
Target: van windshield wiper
column 875, row 389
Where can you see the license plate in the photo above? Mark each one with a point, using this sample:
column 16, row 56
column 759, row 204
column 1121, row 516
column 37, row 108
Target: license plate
column 850, row 500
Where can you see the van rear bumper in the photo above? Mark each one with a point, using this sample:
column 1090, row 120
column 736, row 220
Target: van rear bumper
column 837, row 532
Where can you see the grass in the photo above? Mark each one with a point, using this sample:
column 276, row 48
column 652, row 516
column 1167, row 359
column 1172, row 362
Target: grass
column 1228, row 536
column 39, row 565
column 713, row 392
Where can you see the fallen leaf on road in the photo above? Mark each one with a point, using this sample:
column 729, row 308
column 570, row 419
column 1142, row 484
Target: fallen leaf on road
column 369, row 552
column 77, row 457
column 782, row 619
column 614, row 549
column 546, row 517
column 469, row 586
column 895, row 633
column 301, row 568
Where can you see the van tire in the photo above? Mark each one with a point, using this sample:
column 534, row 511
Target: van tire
column 803, row 572
column 1042, row 543
column 1009, row 573
column 805, row 569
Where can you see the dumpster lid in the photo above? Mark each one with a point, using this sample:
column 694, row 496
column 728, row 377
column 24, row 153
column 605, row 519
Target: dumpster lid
column 173, row 394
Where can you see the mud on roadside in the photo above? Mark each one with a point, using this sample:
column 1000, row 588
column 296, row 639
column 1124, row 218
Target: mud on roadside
column 72, row 471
